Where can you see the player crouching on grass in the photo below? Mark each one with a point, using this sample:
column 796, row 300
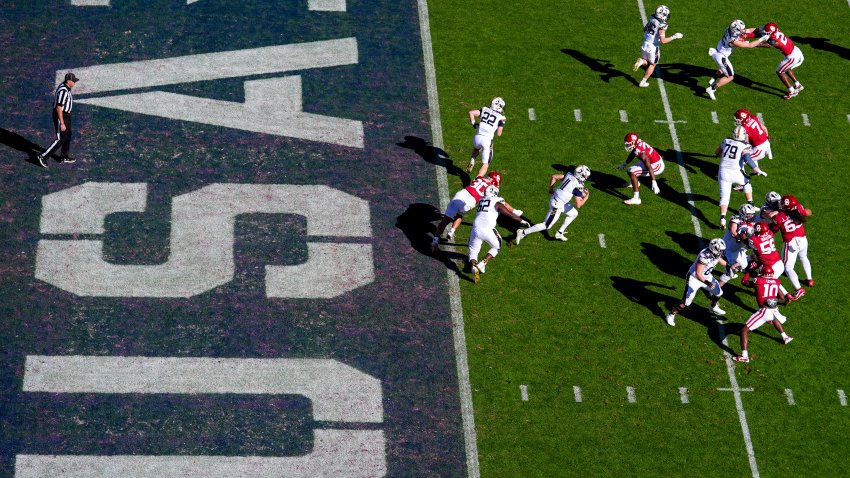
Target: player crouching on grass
column 650, row 164
column 699, row 277
column 767, row 293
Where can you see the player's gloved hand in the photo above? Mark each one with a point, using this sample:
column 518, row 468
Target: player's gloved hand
column 518, row 212
column 474, row 125
column 655, row 187
column 677, row 36
column 762, row 173
column 765, row 38
column 524, row 223
column 622, row 165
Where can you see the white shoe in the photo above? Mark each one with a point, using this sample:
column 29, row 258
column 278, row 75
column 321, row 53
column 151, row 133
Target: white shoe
column 520, row 233
column 716, row 310
column 710, row 91
column 787, row 340
column 476, row 274
column 643, row 84
column 799, row 88
column 481, row 266
column 450, row 236
column 632, row 201
column 670, row 319
column 638, row 64
column 722, row 223
column 469, row 166
column 560, row 236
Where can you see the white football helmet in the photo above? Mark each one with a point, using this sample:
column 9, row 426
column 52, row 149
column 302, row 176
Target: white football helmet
column 498, row 104
column 747, row 211
column 737, row 27
column 717, row 246
column 491, row 191
column 662, row 13
column 740, row 134
column 582, row 172
column 772, row 197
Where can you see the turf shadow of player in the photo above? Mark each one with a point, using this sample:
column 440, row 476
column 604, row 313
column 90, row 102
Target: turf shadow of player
column 434, row 155
column 823, row 44
column 690, row 77
column 417, row 224
column 605, row 67
column 601, row 181
column 18, row 142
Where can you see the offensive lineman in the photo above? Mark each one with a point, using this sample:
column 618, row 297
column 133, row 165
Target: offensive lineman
column 699, row 277
column 491, row 123
column 733, row 153
column 654, row 32
column 484, row 229
column 733, row 38
column 572, row 186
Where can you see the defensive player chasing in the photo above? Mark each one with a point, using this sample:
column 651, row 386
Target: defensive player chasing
column 461, row 203
column 733, row 38
column 767, row 293
column 654, row 32
column 791, row 223
column 699, row 277
column 756, row 134
column 491, row 123
column 764, row 248
column 571, row 187
column 793, row 57
column 650, row 164
column 484, row 229
column 733, row 153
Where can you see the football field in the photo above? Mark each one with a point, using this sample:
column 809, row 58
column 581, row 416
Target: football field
column 235, row 278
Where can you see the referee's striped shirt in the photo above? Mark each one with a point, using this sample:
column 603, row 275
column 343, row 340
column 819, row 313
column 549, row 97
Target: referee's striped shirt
column 64, row 98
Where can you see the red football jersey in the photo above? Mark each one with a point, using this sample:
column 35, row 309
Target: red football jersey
column 651, row 153
column 782, row 42
column 765, row 248
column 478, row 186
column 766, row 288
column 755, row 130
column 789, row 227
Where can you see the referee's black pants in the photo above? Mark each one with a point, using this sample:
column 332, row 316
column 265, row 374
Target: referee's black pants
column 63, row 138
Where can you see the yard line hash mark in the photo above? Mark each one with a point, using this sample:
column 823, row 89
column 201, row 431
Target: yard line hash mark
column 630, row 393
column 842, row 397
column 602, row 241
column 730, row 364
column 789, row 394
column 714, row 115
column 683, row 394
column 532, row 115
column 523, row 392
column 577, row 393
column 624, row 117
column 577, row 114
column 806, row 120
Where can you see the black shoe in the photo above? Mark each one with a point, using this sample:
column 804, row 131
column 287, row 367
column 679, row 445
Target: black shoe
column 40, row 159
column 67, row 160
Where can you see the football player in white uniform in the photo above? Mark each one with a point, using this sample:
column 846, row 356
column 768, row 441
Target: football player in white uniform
column 770, row 207
column 491, row 123
column 732, row 38
column 654, row 32
column 740, row 228
column 484, row 229
column 733, row 153
column 571, row 187
column 699, row 277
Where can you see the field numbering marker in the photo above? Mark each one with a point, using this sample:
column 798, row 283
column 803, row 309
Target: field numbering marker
column 714, row 115
column 577, row 393
column 602, row 241
column 624, row 117
column 683, row 394
column 532, row 115
column 730, row 364
column 577, row 114
column 806, row 120
column 523, row 392
column 789, row 394
column 842, row 397
column 630, row 393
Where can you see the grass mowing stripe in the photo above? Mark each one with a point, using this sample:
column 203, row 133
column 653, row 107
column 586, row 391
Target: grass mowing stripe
column 730, row 368
column 464, row 388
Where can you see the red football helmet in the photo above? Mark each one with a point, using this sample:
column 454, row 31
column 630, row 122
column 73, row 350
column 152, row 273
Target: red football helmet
column 760, row 228
column 766, row 271
column 741, row 115
column 788, row 203
column 496, row 177
column 771, row 27
column 630, row 141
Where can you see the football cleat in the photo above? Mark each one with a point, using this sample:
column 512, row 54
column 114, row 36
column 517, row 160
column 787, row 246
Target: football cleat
column 469, row 166
column 716, row 310
column 741, row 359
column 790, row 94
column 451, row 235
column 476, row 274
column 799, row 294
column 722, row 223
column 560, row 236
column 787, row 340
column 643, row 84
column 799, row 88
column 638, row 64
column 710, row 92
column 632, row 201
column 670, row 319
column 519, row 235
column 809, row 283
column 481, row 266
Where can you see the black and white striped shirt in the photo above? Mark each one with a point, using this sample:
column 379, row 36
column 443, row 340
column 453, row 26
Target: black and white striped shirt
column 64, row 98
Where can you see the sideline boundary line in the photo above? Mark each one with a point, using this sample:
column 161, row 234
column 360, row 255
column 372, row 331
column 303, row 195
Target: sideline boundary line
column 464, row 387
column 730, row 364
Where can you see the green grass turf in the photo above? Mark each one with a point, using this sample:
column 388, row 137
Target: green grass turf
column 551, row 315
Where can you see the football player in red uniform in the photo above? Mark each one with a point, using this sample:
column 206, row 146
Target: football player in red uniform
column 793, row 57
column 462, row 202
column 650, row 164
column 790, row 222
column 767, row 293
column 757, row 134
column 766, row 256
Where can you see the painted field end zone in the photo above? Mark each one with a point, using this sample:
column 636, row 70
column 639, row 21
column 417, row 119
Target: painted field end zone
column 225, row 283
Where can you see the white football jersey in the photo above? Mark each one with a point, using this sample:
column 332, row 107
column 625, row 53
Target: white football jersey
column 731, row 242
column 566, row 190
column 706, row 258
column 487, row 213
column 489, row 122
column 651, row 31
column 731, row 155
column 724, row 46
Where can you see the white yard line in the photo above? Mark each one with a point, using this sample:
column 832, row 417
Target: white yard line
column 464, row 387
column 523, row 392
column 577, row 114
column 532, row 115
column 624, row 116
column 806, row 120
column 730, row 364
column 602, row 241
column 683, row 394
column 789, row 394
column 630, row 394
column 714, row 118
column 842, row 397
column 577, row 393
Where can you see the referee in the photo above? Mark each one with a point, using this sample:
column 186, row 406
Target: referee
column 63, row 105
